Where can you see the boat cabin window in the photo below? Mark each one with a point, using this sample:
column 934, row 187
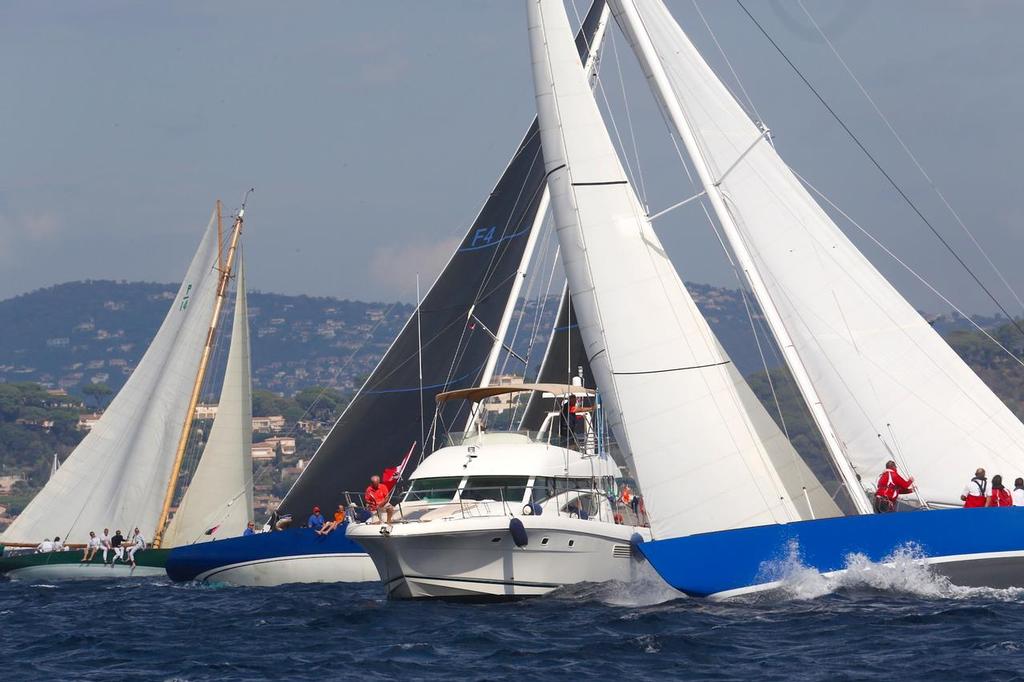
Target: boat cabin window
column 546, row 487
column 439, row 489
column 507, row 488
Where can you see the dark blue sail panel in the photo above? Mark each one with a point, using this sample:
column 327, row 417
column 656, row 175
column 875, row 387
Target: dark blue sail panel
column 456, row 320
column 563, row 359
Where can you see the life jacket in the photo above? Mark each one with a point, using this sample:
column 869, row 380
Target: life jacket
column 626, row 496
column 973, row 500
column 888, row 487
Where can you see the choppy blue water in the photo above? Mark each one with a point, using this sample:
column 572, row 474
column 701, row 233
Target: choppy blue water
column 896, row 625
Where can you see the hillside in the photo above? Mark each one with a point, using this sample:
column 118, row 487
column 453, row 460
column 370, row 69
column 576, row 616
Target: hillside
column 72, row 334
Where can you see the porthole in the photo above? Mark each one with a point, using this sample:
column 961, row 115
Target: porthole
column 572, row 542
column 544, row 541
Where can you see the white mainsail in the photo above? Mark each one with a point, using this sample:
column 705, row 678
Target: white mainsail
column 667, row 388
column 117, row 475
column 218, row 501
column 891, row 387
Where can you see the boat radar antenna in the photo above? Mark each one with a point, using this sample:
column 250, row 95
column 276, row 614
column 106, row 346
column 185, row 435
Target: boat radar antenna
column 222, row 290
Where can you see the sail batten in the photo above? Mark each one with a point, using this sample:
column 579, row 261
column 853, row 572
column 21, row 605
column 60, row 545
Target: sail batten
column 883, row 384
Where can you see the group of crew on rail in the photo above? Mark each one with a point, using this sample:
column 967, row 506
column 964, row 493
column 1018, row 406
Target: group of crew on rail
column 979, row 491
column 114, row 547
column 376, row 504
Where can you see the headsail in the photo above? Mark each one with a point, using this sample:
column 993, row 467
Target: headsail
column 891, row 387
column 117, row 475
column 668, row 391
column 457, row 320
column 218, row 501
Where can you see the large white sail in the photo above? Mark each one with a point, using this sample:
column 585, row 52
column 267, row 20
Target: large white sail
column 891, row 387
column 218, row 501
column 666, row 383
column 117, row 475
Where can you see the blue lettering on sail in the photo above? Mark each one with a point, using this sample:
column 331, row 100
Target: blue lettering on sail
column 485, row 237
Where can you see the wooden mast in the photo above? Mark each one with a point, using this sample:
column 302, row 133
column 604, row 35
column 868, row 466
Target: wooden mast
column 222, row 289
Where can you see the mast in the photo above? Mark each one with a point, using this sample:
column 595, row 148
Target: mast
column 222, row 289
column 629, row 20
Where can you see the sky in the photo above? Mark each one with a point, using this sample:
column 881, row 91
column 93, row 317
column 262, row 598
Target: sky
column 373, row 131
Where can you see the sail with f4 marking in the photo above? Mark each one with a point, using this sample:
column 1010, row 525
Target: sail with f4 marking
column 218, row 501
column 117, row 475
column 666, row 384
column 891, row 386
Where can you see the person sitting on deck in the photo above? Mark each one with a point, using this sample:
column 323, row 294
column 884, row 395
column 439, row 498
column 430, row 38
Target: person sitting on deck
column 1018, row 493
column 116, row 543
column 105, row 543
column 1000, row 496
column 45, row 547
column 974, row 493
column 91, row 548
column 889, row 488
column 316, row 519
column 250, row 529
column 339, row 518
column 138, row 542
column 58, row 546
column 376, row 497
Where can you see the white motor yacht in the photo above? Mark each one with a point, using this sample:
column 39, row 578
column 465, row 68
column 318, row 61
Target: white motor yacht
column 505, row 514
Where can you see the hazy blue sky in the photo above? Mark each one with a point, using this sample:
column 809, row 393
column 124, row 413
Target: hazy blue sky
column 373, row 130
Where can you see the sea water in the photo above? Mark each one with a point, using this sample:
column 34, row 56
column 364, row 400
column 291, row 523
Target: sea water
column 872, row 622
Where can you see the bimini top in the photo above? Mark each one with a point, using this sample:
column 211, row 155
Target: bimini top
column 479, row 393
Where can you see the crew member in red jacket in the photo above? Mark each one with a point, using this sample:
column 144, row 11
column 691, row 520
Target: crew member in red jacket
column 889, row 488
column 974, row 492
column 1000, row 496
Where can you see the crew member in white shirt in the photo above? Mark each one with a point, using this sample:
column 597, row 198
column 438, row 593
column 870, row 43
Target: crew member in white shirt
column 58, row 546
column 45, row 546
column 1018, row 493
column 91, row 548
column 105, row 543
column 138, row 542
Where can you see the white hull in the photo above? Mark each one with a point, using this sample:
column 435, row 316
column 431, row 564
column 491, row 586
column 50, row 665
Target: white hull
column 309, row 568
column 92, row 571
column 477, row 558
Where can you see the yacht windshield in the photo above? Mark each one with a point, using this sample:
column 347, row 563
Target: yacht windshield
column 440, row 489
column 507, row 488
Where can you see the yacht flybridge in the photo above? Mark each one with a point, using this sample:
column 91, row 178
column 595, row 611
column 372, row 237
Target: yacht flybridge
column 508, row 513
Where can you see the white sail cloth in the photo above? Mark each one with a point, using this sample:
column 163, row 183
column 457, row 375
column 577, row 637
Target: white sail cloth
column 666, row 384
column 117, row 476
column 218, row 501
column 892, row 388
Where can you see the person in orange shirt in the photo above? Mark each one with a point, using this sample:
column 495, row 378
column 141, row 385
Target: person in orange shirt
column 376, row 497
column 339, row 518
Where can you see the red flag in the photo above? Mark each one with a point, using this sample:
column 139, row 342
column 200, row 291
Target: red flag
column 211, row 531
column 392, row 475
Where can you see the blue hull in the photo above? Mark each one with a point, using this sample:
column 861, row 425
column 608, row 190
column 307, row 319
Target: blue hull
column 203, row 560
column 973, row 547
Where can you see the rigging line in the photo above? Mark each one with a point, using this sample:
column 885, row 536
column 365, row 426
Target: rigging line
column 526, row 294
column 725, row 58
column 881, row 170
column 910, row 154
column 629, row 119
column 906, row 267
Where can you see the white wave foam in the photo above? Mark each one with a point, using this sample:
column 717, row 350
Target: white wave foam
column 645, row 589
column 904, row 571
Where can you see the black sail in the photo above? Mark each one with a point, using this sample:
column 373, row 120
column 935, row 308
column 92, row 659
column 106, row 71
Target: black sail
column 456, row 320
column 564, row 358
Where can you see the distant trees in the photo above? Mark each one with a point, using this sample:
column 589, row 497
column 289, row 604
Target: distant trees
column 98, row 393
